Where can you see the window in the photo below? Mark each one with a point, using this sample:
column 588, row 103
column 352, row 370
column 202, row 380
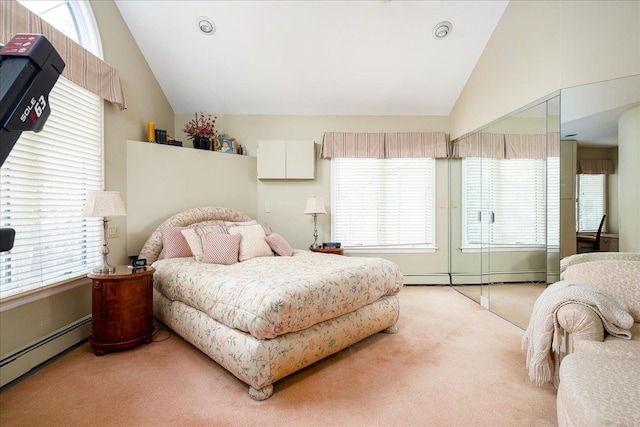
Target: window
column 590, row 201
column 383, row 203
column 505, row 201
column 73, row 18
column 43, row 185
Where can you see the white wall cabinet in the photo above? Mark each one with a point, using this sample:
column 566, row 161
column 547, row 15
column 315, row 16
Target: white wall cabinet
column 286, row 160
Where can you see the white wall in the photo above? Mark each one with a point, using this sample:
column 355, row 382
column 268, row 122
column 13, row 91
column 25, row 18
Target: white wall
column 539, row 47
column 629, row 179
column 163, row 180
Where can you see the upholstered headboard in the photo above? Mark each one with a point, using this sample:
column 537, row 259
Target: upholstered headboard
column 153, row 245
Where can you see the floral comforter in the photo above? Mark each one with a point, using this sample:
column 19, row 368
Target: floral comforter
column 271, row 296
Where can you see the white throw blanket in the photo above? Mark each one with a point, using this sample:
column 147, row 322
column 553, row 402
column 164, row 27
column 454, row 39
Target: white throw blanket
column 543, row 333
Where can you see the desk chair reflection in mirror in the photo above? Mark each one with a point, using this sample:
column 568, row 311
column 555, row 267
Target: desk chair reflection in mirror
column 590, row 242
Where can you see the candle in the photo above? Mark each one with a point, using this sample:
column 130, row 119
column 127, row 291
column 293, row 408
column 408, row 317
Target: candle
column 151, row 132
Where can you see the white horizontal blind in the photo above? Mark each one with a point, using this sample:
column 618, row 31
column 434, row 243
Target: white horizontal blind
column 505, row 201
column 590, row 201
column 384, row 202
column 43, row 186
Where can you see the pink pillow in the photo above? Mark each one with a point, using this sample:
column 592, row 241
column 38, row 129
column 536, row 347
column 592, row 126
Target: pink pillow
column 174, row 243
column 221, row 248
column 278, row 244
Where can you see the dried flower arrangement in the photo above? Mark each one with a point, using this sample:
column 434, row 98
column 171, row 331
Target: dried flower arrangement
column 202, row 126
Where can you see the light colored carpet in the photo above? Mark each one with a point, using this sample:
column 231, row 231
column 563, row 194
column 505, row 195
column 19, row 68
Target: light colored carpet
column 452, row 363
column 511, row 301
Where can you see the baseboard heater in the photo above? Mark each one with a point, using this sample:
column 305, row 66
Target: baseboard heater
column 21, row 361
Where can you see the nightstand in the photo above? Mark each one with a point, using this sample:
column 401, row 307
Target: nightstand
column 122, row 309
column 336, row 251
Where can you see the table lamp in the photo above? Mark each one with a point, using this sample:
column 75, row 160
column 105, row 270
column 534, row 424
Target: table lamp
column 315, row 206
column 104, row 204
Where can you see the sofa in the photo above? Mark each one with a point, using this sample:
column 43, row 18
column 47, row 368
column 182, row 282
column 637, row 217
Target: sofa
column 599, row 374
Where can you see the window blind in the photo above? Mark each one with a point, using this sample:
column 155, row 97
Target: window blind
column 590, row 201
column 43, row 186
column 383, row 202
column 504, row 201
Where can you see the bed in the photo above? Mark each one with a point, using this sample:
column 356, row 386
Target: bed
column 267, row 316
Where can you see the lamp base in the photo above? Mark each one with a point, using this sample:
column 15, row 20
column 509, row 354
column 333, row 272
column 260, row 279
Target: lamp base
column 104, row 268
column 314, row 245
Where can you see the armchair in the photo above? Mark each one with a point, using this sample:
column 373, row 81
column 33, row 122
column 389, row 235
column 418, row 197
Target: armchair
column 583, row 328
column 599, row 377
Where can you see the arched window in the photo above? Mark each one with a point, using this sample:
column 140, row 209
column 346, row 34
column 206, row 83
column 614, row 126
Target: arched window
column 74, row 18
column 46, row 177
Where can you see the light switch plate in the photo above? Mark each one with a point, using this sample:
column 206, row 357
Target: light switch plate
column 112, row 231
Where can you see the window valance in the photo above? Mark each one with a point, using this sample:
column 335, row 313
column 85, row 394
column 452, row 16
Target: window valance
column 82, row 67
column 391, row 145
column 353, row 145
column 507, row 146
column 489, row 145
column 415, row 144
column 596, row 167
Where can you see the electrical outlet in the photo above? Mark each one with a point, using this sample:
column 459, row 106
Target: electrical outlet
column 112, row 231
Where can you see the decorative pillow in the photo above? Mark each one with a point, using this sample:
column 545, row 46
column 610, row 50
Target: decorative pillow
column 174, row 243
column 265, row 226
column 194, row 242
column 221, row 248
column 203, row 230
column 279, row 244
column 240, row 224
column 252, row 244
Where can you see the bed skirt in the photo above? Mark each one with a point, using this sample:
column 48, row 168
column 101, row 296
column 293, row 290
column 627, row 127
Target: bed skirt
column 260, row 363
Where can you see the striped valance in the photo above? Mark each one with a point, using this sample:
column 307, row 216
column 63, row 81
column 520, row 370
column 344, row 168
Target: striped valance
column 596, row 167
column 519, row 146
column 391, row 145
column 507, row 146
column 354, row 145
column 415, row 144
column 81, row 66
column 489, row 145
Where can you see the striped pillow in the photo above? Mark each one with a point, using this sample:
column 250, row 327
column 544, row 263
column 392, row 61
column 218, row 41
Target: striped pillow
column 221, row 248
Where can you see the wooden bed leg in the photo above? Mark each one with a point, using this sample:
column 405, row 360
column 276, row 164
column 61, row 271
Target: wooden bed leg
column 261, row 394
column 393, row 329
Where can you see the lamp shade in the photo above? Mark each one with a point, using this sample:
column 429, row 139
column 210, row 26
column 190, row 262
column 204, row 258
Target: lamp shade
column 103, row 203
column 315, row 205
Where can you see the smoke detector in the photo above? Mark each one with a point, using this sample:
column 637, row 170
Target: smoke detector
column 442, row 30
column 206, row 25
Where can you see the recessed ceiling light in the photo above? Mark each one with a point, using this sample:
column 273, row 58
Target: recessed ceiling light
column 206, row 25
column 442, row 30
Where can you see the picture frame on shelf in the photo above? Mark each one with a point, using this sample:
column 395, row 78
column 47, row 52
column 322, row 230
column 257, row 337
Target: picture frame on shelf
column 227, row 146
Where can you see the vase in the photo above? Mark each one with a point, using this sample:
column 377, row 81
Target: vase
column 201, row 143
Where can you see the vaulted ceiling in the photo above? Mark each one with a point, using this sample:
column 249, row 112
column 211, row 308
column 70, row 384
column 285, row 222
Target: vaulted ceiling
column 312, row 57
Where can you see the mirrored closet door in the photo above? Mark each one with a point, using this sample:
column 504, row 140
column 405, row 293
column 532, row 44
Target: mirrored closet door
column 504, row 180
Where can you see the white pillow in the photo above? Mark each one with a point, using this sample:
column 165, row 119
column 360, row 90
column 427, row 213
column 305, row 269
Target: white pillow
column 194, row 242
column 252, row 244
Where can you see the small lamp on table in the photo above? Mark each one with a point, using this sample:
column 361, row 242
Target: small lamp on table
column 315, row 207
column 104, row 204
